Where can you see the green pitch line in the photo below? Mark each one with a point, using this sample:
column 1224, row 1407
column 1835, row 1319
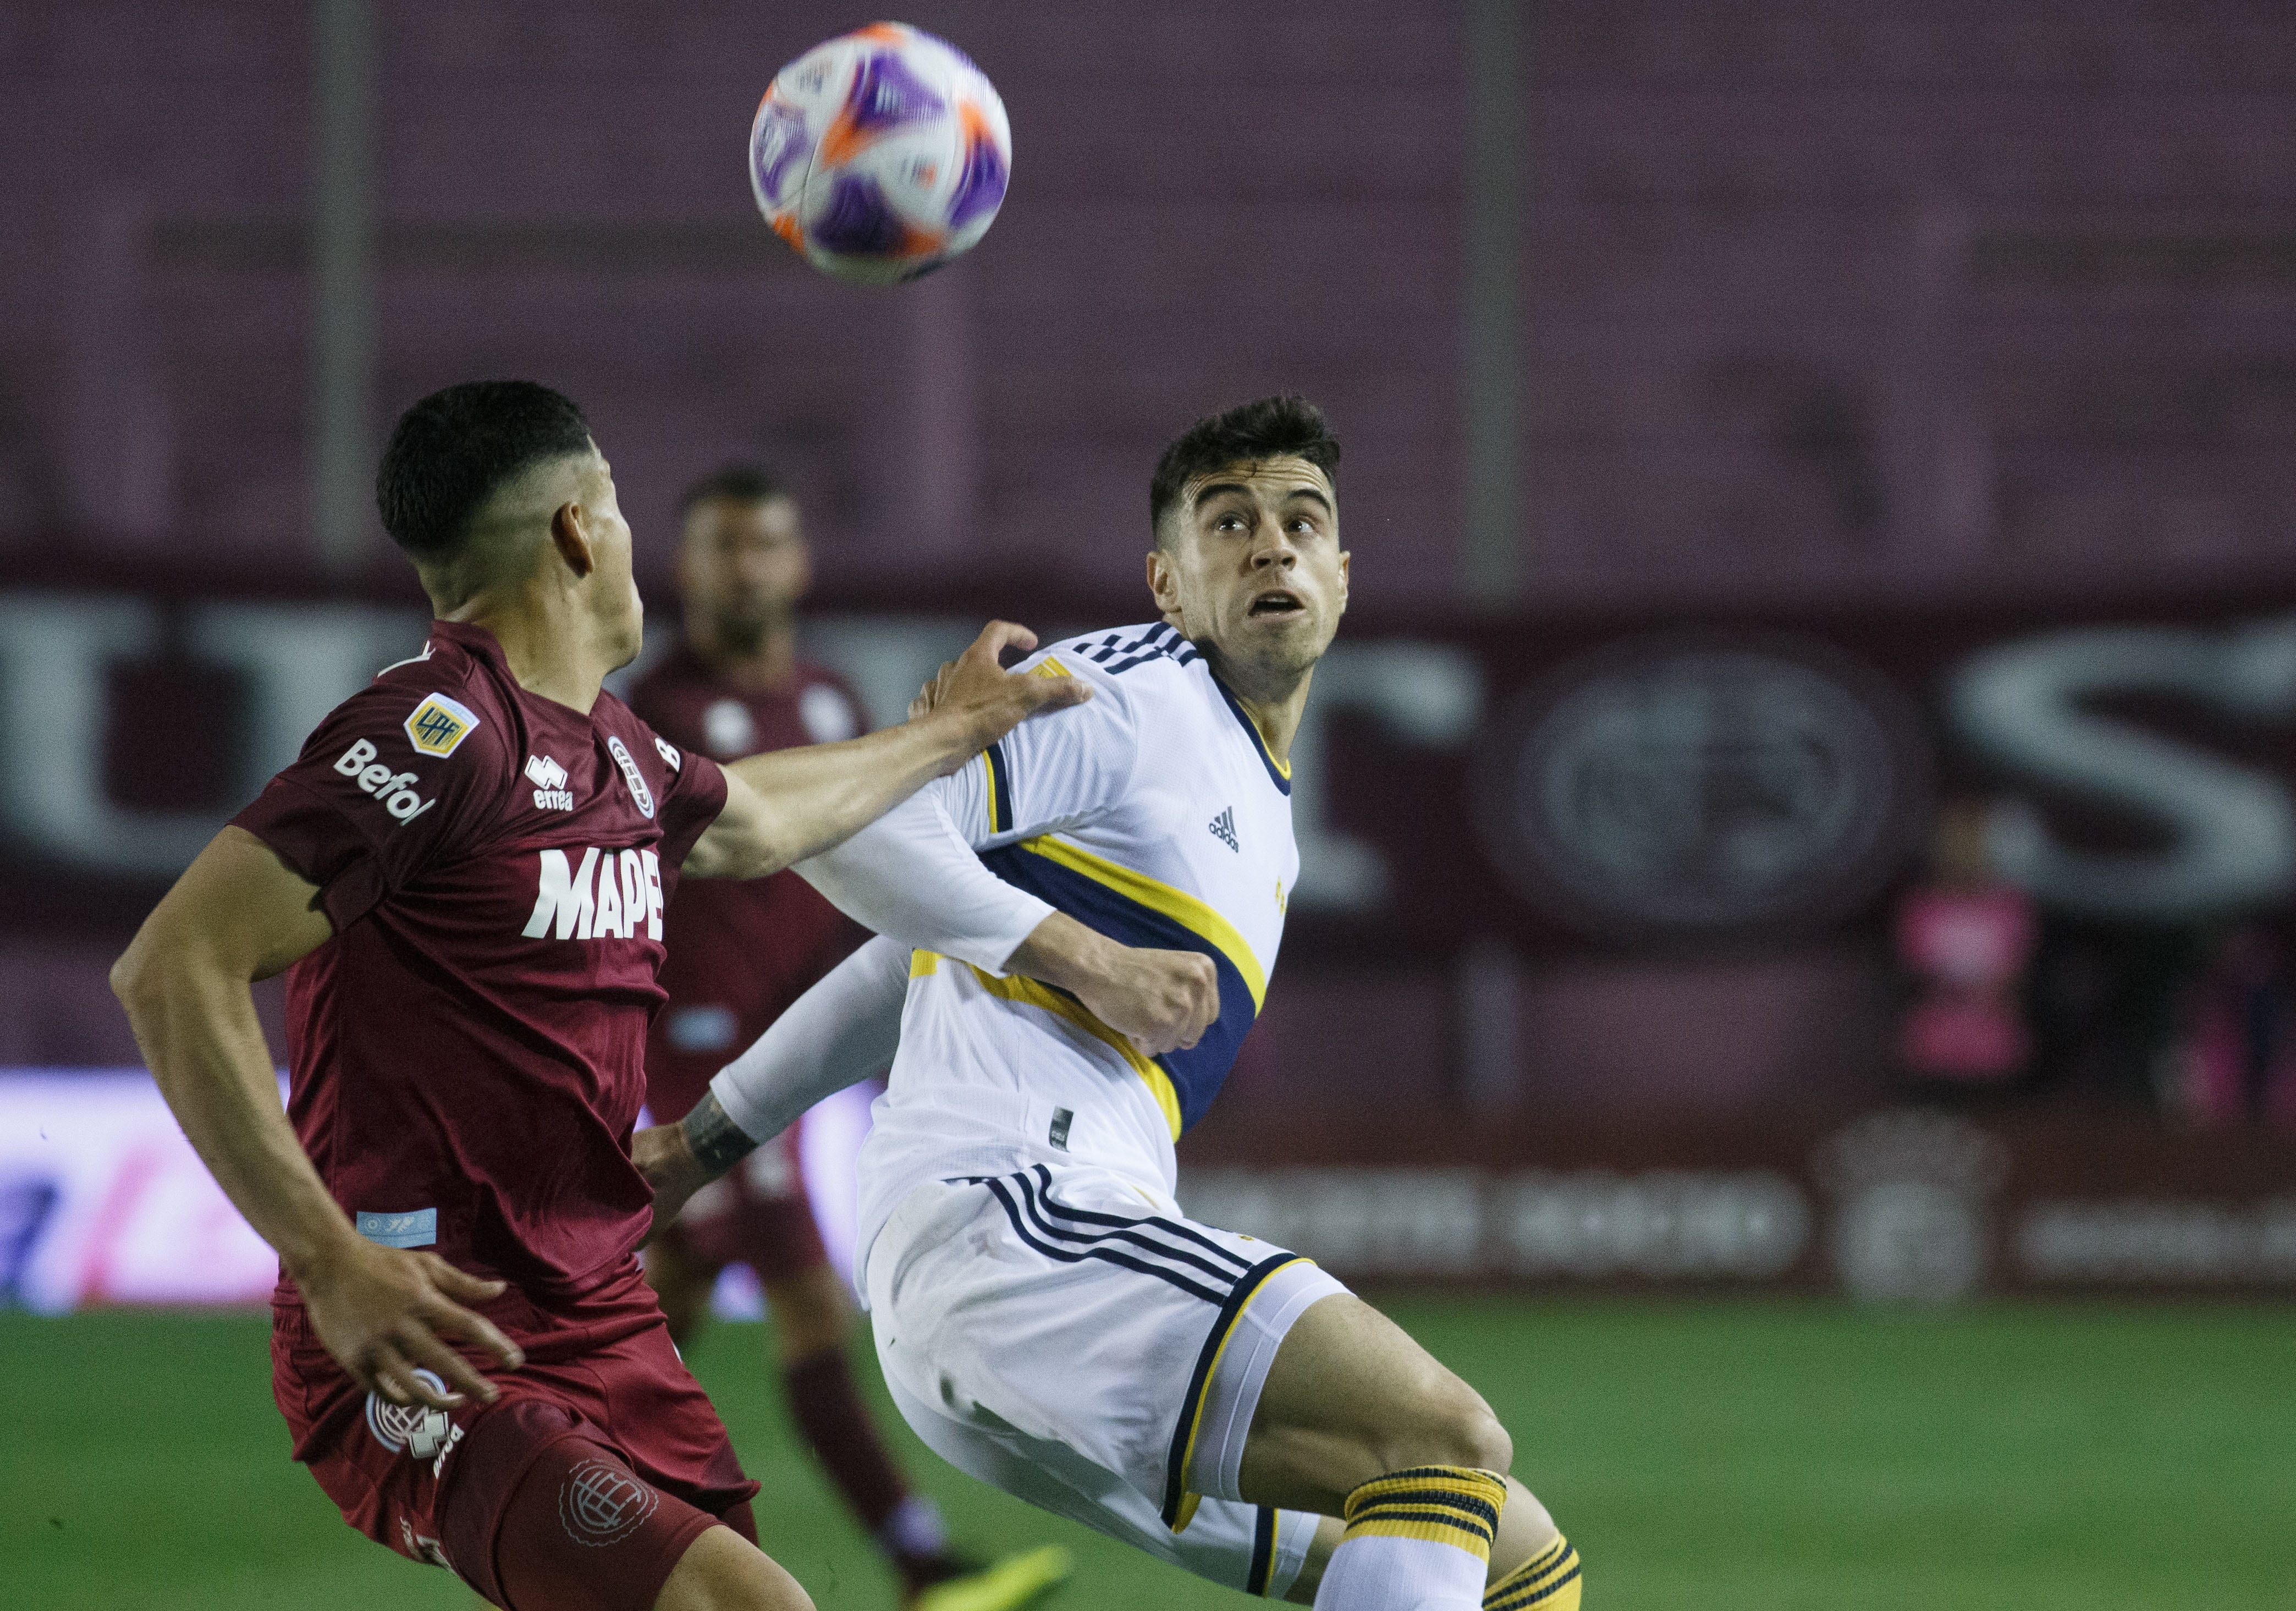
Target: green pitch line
column 1734, row 1458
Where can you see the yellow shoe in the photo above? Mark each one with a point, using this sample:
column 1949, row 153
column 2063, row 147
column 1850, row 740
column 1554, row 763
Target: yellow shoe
column 1004, row 1585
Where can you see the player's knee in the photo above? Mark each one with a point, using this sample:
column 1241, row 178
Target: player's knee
column 1453, row 1428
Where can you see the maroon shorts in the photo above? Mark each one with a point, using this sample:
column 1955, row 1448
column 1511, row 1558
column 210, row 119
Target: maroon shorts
column 758, row 1215
column 603, row 1415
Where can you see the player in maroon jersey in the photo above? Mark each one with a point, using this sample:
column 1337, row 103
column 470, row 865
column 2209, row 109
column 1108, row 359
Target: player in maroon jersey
column 739, row 954
column 466, row 874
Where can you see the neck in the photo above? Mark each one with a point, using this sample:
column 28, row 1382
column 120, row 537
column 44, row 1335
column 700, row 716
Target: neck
column 1275, row 706
column 760, row 665
column 551, row 651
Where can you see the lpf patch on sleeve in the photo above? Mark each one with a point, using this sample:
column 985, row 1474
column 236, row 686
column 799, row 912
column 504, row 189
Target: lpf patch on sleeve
column 438, row 724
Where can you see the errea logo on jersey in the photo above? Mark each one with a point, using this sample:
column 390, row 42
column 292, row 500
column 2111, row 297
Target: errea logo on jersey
column 396, row 790
column 605, row 898
column 549, row 779
column 438, row 724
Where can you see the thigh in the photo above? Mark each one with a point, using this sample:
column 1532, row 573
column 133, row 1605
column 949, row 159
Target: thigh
column 1062, row 1306
column 548, row 1516
column 1248, row 1548
column 1350, row 1396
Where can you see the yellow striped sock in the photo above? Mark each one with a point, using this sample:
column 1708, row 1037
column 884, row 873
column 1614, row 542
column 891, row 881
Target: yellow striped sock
column 1455, row 1505
column 1548, row 1581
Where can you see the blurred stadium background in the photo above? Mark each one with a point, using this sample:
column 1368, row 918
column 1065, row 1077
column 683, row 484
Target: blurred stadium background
column 1792, row 987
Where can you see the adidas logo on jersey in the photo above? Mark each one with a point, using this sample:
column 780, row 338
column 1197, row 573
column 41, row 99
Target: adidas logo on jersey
column 549, row 779
column 1223, row 827
column 607, row 897
column 396, row 790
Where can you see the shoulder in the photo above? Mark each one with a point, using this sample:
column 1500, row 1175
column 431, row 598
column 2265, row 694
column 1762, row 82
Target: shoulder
column 439, row 707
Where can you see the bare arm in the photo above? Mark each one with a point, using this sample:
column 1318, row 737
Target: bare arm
column 785, row 805
column 238, row 915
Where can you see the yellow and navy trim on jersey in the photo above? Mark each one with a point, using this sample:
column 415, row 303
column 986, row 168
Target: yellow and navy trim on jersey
column 1179, row 1505
column 1456, row 1505
column 1279, row 773
column 1013, row 987
column 1134, row 910
column 1000, row 769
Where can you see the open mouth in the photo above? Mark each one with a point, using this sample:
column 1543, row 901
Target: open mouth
column 1277, row 602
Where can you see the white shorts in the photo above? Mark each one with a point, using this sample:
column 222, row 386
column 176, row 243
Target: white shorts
column 1065, row 1335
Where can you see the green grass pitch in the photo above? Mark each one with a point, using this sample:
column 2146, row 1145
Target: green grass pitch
column 1735, row 1457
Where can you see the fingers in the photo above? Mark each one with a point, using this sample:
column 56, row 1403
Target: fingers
column 1051, row 693
column 452, row 1318
column 998, row 636
column 460, row 1283
column 387, row 1372
column 459, row 1374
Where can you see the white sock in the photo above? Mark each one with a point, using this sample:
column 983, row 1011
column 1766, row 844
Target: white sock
column 1416, row 1541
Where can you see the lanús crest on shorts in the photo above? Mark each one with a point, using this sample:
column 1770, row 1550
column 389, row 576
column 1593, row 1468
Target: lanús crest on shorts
column 439, row 724
column 414, row 1429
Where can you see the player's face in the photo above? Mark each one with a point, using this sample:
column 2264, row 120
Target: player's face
column 1254, row 566
column 742, row 567
column 611, row 585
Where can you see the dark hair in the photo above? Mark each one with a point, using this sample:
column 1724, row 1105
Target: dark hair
column 452, row 451
column 1288, row 426
column 736, row 484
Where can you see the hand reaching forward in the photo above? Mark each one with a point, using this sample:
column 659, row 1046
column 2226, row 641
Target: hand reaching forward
column 381, row 1312
column 977, row 691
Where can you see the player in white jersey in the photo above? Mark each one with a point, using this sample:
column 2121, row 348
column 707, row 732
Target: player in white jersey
column 1079, row 928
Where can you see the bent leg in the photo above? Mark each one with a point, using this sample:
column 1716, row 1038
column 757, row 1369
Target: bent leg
column 721, row 1571
column 1357, row 1420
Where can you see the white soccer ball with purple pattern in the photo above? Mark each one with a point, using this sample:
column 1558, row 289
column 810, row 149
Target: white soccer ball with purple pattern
column 881, row 155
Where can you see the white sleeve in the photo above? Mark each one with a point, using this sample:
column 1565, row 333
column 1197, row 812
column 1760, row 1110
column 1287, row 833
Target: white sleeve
column 912, row 875
column 843, row 1030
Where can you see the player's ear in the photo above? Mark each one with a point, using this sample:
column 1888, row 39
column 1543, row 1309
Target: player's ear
column 571, row 539
column 1163, row 580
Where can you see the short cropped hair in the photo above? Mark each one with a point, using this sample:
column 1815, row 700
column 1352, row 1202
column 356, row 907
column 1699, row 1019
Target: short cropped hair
column 455, row 448
column 736, row 484
column 1288, row 426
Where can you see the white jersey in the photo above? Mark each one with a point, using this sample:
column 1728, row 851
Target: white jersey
column 1153, row 813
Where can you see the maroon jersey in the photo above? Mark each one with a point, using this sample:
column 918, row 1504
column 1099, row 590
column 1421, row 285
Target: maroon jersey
column 740, row 952
column 467, row 1053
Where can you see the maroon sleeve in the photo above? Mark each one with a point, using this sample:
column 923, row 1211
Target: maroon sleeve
column 696, row 796
column 363, row 811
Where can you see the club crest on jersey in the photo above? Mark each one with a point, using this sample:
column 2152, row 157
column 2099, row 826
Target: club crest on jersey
column 438, row 724
column 549, row 779
column 620, row 752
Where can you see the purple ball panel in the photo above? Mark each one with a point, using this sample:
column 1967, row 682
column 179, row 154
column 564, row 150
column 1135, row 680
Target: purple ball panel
column 886, row 94
column 980, row 187
column 858, row 222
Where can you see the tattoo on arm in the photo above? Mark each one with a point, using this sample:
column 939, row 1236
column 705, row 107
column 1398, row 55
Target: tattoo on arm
column 716, row 1141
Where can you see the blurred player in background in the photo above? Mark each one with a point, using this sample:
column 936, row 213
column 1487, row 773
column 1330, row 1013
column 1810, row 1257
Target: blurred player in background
column 464, row 876
column 739, row 954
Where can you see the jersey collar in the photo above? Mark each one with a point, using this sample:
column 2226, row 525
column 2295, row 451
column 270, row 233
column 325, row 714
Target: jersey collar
column 1278, row 774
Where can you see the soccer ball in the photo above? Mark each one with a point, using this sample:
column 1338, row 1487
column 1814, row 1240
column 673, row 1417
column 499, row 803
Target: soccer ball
column 881, row 155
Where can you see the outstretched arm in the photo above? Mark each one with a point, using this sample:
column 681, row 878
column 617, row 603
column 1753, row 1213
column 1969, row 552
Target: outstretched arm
column 237, row 914
column 785, row 805
column 843, row 1030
